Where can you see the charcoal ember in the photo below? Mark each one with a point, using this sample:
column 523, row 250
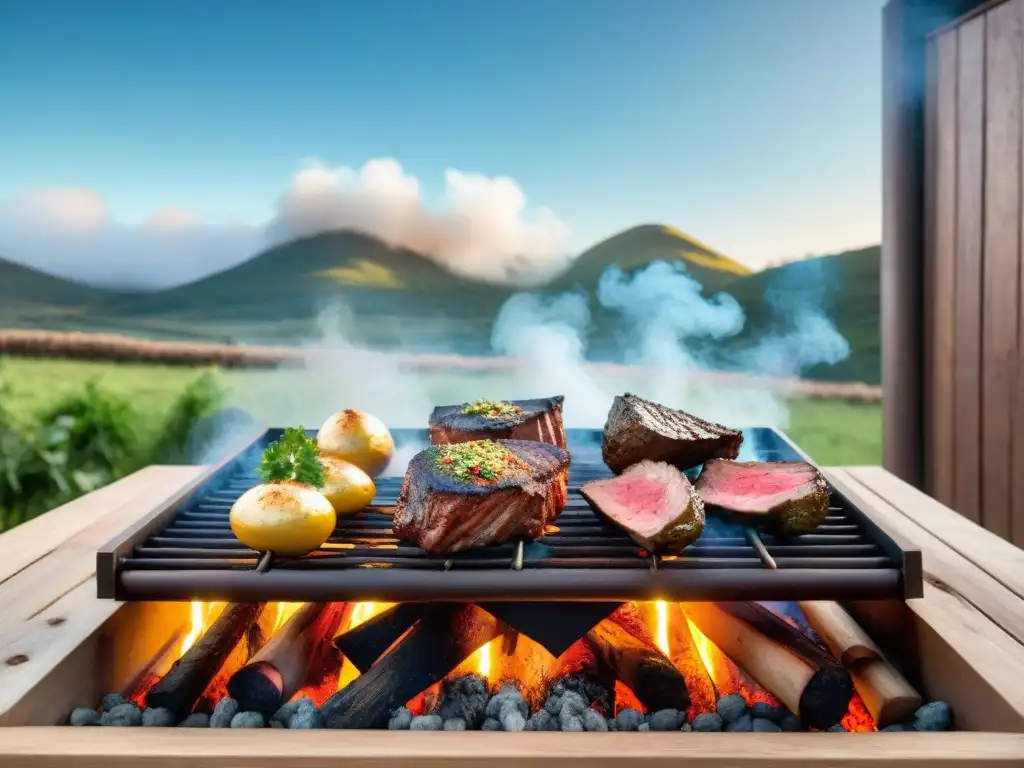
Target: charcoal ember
column 158, row 717
column 708, row 722
column 286, row 711
column 123, row 715
column 667, row 720
column 224, row 713
column 686, row 728
column 764, row 725
column 936, row 716
column 426, row 723
column 644, row 727
column 507, row 698
column 790, row 723
column 400, row 720
column 896, row 728
column 628, row 720
column 742, row 724
column 594, row 720
column 767, row 711
column 837, row 728
column 455, row 724
column 731, row 707
column 554, row 704
column 248, row 720
column 196, row 720
column 542, row 720
column 83, row 716
column 512, row 720
column 277, row 724
column 570, row 723
column 573, row 703
column 490, row 724
column 112, row 700
column 558, row 688
column 307, row 717
column 465, row 697
column 593, row 692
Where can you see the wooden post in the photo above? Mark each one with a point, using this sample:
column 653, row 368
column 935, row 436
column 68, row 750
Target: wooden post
column 906, row 25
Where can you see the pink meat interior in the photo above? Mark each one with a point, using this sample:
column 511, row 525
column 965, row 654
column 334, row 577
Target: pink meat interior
column 638, row 503
column 752, row 490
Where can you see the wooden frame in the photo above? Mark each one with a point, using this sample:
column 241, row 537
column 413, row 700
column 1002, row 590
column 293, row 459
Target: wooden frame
column 966, row 632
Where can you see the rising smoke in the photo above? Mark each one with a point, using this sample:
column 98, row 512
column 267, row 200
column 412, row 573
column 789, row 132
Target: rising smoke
column 661, row 314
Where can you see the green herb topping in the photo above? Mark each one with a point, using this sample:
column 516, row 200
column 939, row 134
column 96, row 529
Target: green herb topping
column 476, row 460
column 294, row 457
column 491, row 408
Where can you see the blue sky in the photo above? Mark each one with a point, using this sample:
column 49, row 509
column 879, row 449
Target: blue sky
column 754, row 125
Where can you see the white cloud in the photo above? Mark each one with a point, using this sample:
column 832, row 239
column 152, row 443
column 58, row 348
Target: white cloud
column 482, row 230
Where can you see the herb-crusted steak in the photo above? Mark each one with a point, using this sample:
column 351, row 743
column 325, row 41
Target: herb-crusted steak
column 539, row 420
column 788, row 497
column 653, row 502
column 639, row 429
column 468, row 495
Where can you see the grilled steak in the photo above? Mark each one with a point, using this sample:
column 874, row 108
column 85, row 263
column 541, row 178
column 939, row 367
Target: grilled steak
column 539, row 420
column 638, row 429
column 457, row 497
column 653, row 502
column 787, row 497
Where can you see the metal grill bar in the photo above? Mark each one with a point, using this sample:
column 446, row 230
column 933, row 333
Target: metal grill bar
column 190, row 553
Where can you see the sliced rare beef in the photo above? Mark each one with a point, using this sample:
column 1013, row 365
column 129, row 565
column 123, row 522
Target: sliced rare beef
column 474, row 494
column 638, row 429
column 539, row 420
column 653, row 502
column 787, row 497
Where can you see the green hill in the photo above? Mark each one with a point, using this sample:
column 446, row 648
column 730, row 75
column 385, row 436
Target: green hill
column 397, row 297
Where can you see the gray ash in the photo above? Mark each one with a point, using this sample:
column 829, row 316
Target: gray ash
column 575, row 703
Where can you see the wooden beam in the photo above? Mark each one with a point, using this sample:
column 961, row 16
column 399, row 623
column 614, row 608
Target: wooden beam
column 188, row 748
column 988, row 552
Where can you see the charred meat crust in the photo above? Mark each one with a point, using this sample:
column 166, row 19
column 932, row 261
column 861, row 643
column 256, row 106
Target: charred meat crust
column 638, row 429
column 443, row 515
column 539, row 420
column 799, row 514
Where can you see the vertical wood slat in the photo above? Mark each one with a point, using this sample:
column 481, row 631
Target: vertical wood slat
column 1003, row 26
column 941, row 131
column 969, row 242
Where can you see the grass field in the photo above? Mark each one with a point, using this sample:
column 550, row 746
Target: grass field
column 831, row 431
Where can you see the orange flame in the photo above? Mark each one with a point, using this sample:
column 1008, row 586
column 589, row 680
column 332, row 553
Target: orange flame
column 202, row 616
column 704, row 648
column 661, row 628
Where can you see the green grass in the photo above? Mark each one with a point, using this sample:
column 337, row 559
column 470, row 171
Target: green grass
column 832, row 432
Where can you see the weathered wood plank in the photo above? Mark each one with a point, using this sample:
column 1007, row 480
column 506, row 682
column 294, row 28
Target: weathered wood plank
column 1002, row 207
column 73, row 562
column 954, row 619
column 940, row 271
column 970, row 221
column 940, row 562
column 992, row 554
column 175, row 748
column 23, row 545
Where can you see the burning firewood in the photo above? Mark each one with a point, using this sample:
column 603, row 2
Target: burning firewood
column 629, row 656
column 364, row 644
column 436, row 645
column 686, row 656
column 780, row 658
column 184, row 683
column 282, row 665
column 886, row 693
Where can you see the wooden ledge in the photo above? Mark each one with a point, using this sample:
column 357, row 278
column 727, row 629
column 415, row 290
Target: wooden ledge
column 188, row 748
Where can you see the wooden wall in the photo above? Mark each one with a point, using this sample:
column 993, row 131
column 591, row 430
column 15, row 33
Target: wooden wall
column 973, row 319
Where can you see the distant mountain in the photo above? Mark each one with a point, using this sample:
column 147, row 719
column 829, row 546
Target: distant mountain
column 396, row 297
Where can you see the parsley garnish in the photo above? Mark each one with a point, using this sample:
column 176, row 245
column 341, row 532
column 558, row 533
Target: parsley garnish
column 294, row 457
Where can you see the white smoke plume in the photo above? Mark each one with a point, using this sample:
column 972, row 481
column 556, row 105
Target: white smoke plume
column 483, row 230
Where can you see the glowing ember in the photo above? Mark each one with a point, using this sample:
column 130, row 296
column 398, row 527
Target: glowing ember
column 661, row 630
column 202, row 615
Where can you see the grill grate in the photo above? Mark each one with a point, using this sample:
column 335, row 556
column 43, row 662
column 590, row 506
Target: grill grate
column 187, row 551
